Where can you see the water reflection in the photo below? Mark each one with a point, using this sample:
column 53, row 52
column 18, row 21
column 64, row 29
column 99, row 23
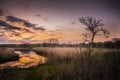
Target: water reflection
column 26, row 60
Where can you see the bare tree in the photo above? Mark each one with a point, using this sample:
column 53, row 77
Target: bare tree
column 53, row 42
column 93, row 27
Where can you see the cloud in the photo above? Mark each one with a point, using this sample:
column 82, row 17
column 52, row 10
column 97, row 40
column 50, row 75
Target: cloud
column 40, row 28
column 45, row 19
column 14, row 28
column 27, row 30
column 38, row 15
column 7, row 26
column 25, row 23
column 14, row 19
column 28, row 24
column 16, row 34
column 33, row 26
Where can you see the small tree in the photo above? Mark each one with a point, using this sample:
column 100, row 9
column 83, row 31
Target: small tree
column 53, row 42
column 116, row 43
column 93, row 27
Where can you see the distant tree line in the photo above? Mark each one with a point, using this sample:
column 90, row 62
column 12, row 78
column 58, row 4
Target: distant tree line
column 114, row 44
column 19, row 45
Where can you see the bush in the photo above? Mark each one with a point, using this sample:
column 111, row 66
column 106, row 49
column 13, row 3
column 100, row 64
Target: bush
column 41, row 52
column 8, row 55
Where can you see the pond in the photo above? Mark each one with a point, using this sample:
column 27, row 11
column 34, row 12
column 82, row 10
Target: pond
column 27, row 59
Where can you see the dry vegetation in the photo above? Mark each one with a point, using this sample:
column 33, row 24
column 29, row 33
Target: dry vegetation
column 87, row 64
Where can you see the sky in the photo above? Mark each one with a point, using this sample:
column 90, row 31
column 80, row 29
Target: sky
column 57, row 18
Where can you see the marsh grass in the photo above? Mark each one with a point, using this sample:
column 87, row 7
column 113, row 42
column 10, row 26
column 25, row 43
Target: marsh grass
column 88, row 65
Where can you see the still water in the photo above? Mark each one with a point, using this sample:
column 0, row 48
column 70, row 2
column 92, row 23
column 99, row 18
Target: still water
column 26, row 60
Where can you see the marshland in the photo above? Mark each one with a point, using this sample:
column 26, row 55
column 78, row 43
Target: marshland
column 59, row 40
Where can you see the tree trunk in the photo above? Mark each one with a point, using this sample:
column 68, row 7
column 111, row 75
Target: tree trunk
column 92, row 40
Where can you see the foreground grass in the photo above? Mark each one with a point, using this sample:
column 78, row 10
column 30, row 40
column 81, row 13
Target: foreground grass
column 86, row 66
column 41, row 72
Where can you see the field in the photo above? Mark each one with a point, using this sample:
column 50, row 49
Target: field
column 69, row 64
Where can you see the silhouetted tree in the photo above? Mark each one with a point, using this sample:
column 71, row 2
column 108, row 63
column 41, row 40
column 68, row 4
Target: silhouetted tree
column 108, row 44
column 53, row 42
column 116, row 43
column 44, row 44
column 93, row 27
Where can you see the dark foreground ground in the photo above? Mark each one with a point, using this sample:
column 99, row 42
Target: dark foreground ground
column 88, row 65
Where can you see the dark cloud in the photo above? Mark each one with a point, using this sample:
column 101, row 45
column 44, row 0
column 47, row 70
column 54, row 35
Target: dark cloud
column 14, row 19
column 39, row 28
column 45, row 19
column 7, row 26
column 27, row 30
column 38, row 15
column 28, row 24
column 15, row 34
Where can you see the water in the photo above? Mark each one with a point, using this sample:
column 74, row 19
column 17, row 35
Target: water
column 25, row 61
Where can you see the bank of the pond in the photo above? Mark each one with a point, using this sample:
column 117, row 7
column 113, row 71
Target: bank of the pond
column 7, row 55
column 26, row 60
